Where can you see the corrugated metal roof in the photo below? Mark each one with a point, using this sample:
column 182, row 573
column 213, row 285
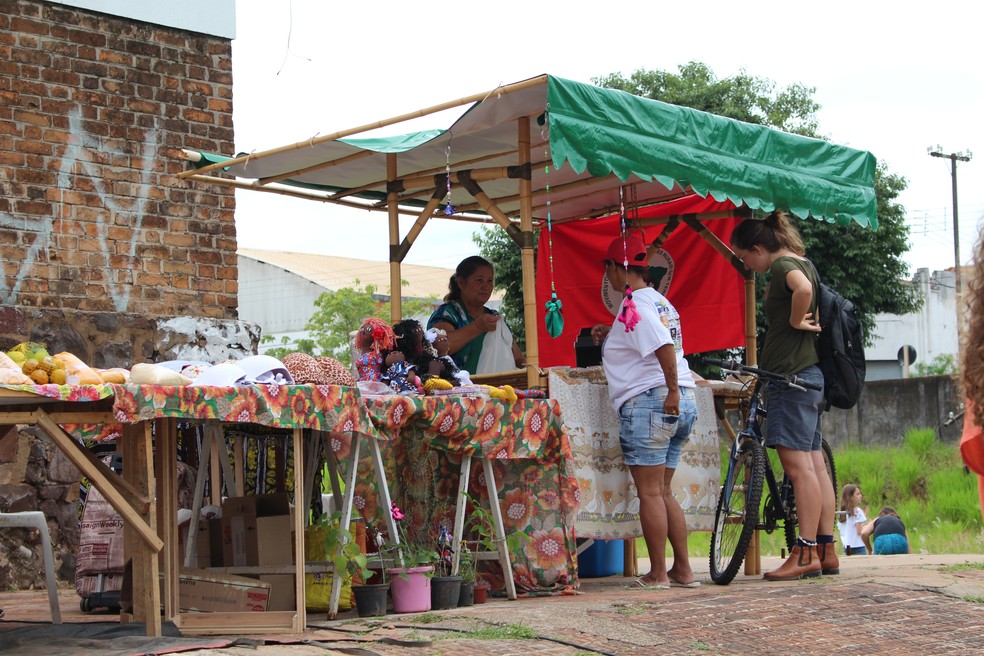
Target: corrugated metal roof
column 337, row 272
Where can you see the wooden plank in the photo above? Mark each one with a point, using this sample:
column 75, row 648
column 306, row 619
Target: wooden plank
column 100, row 474
column 138, row 468
column 237, row 623
column 500, row 531
column 165, row 466
column 300, row 519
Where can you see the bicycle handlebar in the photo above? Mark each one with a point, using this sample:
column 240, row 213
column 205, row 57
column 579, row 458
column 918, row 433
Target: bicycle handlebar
column 737, row 367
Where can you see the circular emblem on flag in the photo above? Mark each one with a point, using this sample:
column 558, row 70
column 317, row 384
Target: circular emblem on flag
column 660, row 274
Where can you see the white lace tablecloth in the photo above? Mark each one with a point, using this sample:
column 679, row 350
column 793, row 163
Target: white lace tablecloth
column 609, row 501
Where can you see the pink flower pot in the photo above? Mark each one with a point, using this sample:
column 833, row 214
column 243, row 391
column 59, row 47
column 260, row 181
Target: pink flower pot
column 412, row 594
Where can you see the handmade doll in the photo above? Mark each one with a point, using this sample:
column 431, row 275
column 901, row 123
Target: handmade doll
column 442, row 364
column 401, row 374
column 410, row 340
column 374, row 338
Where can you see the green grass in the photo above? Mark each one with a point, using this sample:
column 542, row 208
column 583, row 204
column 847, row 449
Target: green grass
column 923, row 479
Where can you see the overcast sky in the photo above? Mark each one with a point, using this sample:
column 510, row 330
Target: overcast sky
column 891, row 78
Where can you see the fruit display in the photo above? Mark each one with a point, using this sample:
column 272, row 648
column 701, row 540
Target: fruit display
column 36, row 366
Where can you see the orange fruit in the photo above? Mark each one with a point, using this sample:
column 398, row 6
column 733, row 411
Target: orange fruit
column 29, row 366
column 48, row 364
column 40, row 376
column 57, row 377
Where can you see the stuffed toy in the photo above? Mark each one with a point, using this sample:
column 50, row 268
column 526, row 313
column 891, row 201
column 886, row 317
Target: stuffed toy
column 443, row 365
column 374, row 338
column 410, row 340
column 400, row 374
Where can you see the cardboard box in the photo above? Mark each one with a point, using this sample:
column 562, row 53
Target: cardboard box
column 203, row 591
column 281, row 591
column 256, row 530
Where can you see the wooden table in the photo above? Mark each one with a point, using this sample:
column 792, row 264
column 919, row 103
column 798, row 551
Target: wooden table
column 150, row 513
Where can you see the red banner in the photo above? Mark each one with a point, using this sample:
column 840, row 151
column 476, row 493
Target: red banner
column 700, row 282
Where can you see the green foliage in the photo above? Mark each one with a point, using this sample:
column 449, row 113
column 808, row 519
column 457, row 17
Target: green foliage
column 941, row 365
column 743, row 97
column 341, row 549
column 301, row 345
column 920, row 441
column 340, row 312
column 481, row 526
column 505, row 255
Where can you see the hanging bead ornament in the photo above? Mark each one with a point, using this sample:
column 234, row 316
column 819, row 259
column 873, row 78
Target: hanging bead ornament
column 629, row 314
column 448, row 207
column 554, row 317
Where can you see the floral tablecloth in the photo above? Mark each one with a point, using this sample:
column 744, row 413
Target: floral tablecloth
column 321, row 407
column 538, row 492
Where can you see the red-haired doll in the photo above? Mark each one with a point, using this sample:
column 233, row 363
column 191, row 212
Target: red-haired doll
column 373, row 340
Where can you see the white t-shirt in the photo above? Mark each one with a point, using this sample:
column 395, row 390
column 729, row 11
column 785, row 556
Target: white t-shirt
column 848, row 529
column 629, row 358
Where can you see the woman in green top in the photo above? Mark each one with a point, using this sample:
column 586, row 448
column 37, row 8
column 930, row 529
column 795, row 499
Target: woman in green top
column 772, row 245
column 479, row 340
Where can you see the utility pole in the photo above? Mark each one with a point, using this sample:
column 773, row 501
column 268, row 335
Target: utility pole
column 954, row 158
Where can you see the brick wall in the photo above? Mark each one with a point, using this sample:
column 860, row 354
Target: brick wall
column 92, row 218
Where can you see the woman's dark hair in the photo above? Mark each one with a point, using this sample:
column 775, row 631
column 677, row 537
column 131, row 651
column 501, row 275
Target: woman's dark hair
column 466, row 267
column 773, row 233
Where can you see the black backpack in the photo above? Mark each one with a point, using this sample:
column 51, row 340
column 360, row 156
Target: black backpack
column 840, row 347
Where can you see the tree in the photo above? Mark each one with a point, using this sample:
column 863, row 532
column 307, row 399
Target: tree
column 340, row 312
column 499, row 248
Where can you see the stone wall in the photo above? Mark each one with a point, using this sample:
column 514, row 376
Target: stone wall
column 890, row 408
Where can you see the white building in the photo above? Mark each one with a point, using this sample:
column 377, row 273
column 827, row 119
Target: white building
column 930, row 332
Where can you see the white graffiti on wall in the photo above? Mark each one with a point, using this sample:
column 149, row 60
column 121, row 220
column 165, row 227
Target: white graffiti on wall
column 81, row 158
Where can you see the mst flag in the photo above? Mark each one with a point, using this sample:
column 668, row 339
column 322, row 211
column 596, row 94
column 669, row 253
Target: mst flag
column 700, row 282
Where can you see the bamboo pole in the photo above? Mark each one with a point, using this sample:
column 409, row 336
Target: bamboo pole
column 396, row 292
column 509, row 88
column 528, row 257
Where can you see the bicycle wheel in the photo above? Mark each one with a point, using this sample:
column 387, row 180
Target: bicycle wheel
column 737, row 512
column 789, row 495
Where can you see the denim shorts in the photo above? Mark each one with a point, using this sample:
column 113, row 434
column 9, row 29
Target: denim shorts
column 649, row 437
column 793, row 414
column 890, row 543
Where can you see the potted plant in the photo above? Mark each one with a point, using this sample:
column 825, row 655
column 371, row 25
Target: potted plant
column 466, row 569
column 345, row 555
column 446, row 585
column 411, row 576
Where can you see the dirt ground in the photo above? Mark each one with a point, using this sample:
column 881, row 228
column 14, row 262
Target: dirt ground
column 916, row 604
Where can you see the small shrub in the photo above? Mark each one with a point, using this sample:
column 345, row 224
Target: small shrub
column 908, row 476
column 920, row 441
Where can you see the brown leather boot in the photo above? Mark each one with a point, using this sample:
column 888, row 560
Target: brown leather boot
column 829, row 562
column 802, row 563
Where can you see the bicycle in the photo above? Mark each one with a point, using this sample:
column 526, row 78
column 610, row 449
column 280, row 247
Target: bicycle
column 740, row 504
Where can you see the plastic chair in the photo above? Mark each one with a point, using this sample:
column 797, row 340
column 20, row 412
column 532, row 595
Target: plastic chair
column 35, row 519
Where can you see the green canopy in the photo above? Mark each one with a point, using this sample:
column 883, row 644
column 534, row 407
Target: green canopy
column 600, row 142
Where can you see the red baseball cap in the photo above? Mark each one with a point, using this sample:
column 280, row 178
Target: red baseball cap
column 630, row 247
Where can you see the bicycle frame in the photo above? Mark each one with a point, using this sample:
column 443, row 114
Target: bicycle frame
column 776, row 506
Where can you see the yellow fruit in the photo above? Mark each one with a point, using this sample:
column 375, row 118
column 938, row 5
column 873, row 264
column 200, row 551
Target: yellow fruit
column 40, row 376
column 58, row 377
column 29, row 367
column 17, row 356
column 47, row 364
